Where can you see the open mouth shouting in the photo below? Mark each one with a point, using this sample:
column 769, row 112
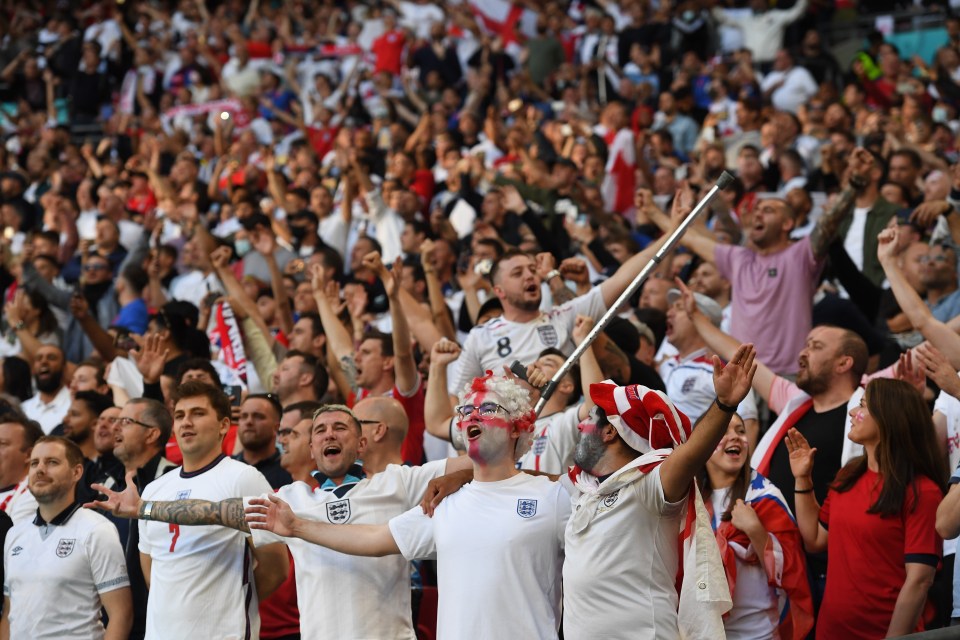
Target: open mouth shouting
column 473, row 432
column 332, row 450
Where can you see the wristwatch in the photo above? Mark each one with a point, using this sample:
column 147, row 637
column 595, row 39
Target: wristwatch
column 147, row 510
column 555, row 273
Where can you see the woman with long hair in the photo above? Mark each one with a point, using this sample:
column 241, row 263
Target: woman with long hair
column 760, row 545
column 877, row 523
column 30, row 324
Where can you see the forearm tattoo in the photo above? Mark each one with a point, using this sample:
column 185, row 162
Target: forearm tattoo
column 228, row 513
column 826, row 228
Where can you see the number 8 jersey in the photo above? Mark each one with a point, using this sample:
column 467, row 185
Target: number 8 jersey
column 499, row 341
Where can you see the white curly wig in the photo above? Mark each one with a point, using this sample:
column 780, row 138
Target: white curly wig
column 515, row 399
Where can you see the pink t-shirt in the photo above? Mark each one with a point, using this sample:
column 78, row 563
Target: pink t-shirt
column 772, row 303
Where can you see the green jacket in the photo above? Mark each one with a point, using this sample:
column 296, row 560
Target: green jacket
column 877, row 219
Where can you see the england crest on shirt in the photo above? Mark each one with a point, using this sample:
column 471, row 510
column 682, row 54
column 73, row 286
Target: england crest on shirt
column 65, row 547
column 338, row 512
column 548, row 335
column 526, row 507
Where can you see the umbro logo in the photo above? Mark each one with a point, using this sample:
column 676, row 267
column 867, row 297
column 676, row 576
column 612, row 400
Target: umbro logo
column 16, row 550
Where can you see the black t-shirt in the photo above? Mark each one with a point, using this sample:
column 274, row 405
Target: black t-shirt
column 825, row 432
column 5, row 524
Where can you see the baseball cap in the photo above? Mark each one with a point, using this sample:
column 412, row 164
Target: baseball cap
column 706, row 304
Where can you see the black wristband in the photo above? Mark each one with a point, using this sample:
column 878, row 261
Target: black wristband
column 803, row 490
column 725, row 408
column 954, row 193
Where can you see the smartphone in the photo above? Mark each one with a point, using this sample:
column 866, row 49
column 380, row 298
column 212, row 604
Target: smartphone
column 235, row 391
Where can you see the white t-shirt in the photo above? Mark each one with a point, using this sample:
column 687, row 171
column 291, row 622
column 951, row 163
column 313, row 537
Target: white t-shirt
column 554, row 441
column 499, row 550
column 689, row 383
column 619, row 577
column 54, row 575
column 755, row 602
column 372, row 595
column 201, row 579
column 499, row 341
column 853, row 242
column 48, row 415
column 18, row 502
column 949, row 406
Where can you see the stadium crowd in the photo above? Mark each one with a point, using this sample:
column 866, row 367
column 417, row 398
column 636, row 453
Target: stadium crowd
column 267, row 269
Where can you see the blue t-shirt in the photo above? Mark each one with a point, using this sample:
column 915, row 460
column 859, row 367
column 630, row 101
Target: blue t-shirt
column 133, row 316
column 947, row 308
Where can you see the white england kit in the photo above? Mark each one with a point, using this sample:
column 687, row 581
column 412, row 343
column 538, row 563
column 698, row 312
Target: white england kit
column 351, row 597
column 201, row 577
column 55, row 572
column 18, row 502
column 555, row 438
column 619, row 577
column 689, row 384
column 498, row 341
column 499, row 550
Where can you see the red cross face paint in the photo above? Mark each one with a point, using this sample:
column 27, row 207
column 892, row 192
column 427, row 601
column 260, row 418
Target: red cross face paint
column 486, row 428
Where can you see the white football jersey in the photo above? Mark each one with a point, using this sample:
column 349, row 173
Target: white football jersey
column 372, row 595
column 54, row 575
column 627, row 554
column 499, row 550
column 499, row 342
column 689, row 383
column 201, row 578
column 555, row 438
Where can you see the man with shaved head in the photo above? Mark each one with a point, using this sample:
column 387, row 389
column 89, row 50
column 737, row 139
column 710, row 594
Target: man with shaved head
column 384, row 424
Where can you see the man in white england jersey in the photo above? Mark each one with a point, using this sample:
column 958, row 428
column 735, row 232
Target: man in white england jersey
column 372, row 595
column 17, row 435
column 523, row 331
column 632, row 488
column 202, row 582
column 688, row 374
column 498, row 541
column 64, row 565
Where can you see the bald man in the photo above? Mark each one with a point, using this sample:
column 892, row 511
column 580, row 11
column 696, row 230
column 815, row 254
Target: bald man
column 384, row 424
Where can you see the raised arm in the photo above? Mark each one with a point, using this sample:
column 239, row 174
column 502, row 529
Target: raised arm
column 437, row 409
column 938, row 333
column 824, row 232
column 266, row 245
column 273, row 514
column 948, row 514
column 732, row 383
column 404, row 365
column 338, row 338
column 805, row 501
column 723, row 344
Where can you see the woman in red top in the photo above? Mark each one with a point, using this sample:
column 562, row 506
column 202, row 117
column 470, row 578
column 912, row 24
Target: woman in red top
column 877, row 523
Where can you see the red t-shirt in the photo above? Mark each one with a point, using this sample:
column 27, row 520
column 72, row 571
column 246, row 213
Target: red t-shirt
column 322, row 139
column 388, row 49
column 412, row 449
column 279, row 615
column 867, row 553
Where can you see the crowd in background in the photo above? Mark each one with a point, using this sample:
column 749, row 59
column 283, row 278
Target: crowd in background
column 305, row 202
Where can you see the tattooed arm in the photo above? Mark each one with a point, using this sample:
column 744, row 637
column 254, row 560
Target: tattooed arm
column 862, row 165
column 227, row 513
column 826, row 228
column 127, row 504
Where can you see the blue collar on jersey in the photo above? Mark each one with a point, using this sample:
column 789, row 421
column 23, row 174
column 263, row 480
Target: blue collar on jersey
column 354, row 475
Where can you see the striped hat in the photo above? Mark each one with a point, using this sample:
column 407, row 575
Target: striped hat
column 646, row 419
